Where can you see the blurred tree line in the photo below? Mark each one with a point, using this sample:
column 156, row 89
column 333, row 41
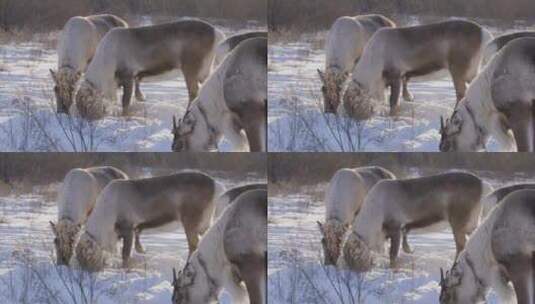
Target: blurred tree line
column 319, row 14
column 313, row 168
column 52, row 14
column 44, row 168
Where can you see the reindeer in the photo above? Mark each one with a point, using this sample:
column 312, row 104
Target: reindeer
column 77, row 199
column 233, row 251
column 343, row 199
column 125, row 208
column 233, row 99
column 499, row 103
column 128, row 55
column 394, row 55
column 343, row 49
column 392, row 206
column 499, row 42
column 225, row 47
column 77, row 45
column 491, row 200
column 500, row 251
column 230, row 195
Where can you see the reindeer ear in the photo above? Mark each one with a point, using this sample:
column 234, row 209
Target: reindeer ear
column 53, row 74
column 322, row 75
column 53, row 226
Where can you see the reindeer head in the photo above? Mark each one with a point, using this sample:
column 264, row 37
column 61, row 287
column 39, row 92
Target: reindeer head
column 357, row 254
column 65, row 81
column 358, row 101
column 90, row 101
column 90, row 255
column 192, row 134
column 332, row 236
column 182, row 285
column 331, row 89
column 65, row 233
column 460, row 285
column 459, row 133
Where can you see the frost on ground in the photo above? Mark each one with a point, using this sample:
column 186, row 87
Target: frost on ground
column 28, row 119
column 28, row 273
column 296, row 118
column 297, row 273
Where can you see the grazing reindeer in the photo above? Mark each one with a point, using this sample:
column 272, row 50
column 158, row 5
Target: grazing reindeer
column 77, row 199
column 491, row 200
column 499, row 103
column 396, row 54
column 230, row 195
column 500, row 251
column 343, row 199
column 125, row 208
column 234, row 250
column 499, row 42
column 396, row 205
column 128, row 55
column 233, row 99
column 343, row 49
column 225, row 47
column 77, row 45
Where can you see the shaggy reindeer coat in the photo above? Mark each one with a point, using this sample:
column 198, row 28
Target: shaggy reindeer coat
column 500, row 251
column 343, row 48
column 125, row 208
column 128, row 55
column 77, row 199
column 77, row 45
column 395, row 205
column 233, row 99
column 499, row 103
column 233, row 251
column 343, row 199
column 394, row 54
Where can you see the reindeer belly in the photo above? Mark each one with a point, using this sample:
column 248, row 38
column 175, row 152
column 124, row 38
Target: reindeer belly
column 157, row 222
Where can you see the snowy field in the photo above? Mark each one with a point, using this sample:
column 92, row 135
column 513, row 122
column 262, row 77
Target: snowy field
column 27, row 261
column 297, row 121
column 28, row 120
column 297, row 273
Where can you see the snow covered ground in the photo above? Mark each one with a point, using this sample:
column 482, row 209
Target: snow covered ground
column 296, row 273
column 27, row 264
column 28, row 121
column 297, row 122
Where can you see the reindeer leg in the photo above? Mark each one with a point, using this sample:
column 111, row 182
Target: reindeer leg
column 128, row 237
column 252, row 269
column 405, row 245
column 521, row 274
column 128, row 85
column 395, row 88
column 139, row 95
column 139, row 248
column 407, row 96
column 255, row 131
column 395, row 240
column 519, row 119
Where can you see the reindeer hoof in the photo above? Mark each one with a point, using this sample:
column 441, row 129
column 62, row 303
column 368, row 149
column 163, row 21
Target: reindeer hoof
column 140, row 97
column 407, row 249
column 408, row 97
column 140, row 249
